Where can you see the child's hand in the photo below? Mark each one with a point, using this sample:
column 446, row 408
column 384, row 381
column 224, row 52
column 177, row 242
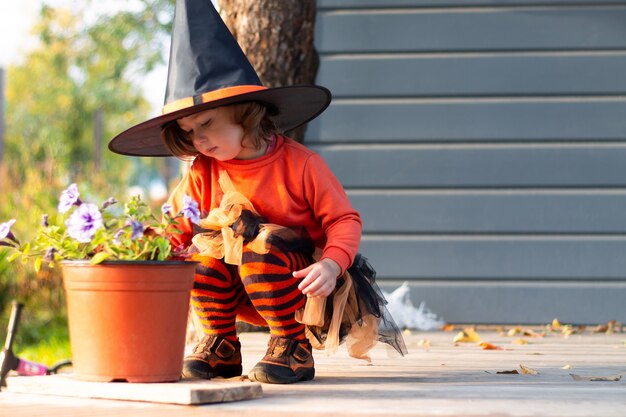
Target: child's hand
column 320, row 278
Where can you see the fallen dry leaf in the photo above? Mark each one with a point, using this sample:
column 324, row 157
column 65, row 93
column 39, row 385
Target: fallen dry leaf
column 447, row 327
column 489, row 346
column 568, row 366
column 528, row 371
column 514, row 371
column 514, row 331
column 609, row 328
column 601, row 328
column 613, row 378
column 568, row 329
column 525, row 332
column 468, row 335
column 531, row 333
column 520, row 342
column 423, row 343
column 556, row 324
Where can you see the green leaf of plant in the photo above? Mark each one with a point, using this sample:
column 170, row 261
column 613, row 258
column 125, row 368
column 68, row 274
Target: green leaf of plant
column 98, row 258
column 13, row 256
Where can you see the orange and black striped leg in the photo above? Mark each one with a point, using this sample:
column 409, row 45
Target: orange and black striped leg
column 216, row 293
column 273, row 290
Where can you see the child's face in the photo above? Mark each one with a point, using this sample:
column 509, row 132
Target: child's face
column 215, row 134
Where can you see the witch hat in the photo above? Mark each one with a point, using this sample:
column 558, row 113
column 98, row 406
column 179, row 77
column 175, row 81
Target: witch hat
column 208, row 69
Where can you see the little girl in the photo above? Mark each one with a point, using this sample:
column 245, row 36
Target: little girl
column 288, row 185
column 278, row 228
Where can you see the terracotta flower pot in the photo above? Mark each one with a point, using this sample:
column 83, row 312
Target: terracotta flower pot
column 128, row 319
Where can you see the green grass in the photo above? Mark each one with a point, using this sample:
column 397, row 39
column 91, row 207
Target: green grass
column 45, row 342
column 49, row 351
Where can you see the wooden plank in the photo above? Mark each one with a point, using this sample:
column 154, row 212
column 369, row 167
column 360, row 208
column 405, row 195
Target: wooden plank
column 441, row 120
column 186, row 392
column 484, row 211
column 382, row 4
column 519, row 302
column 497, row 257
column 472, row 29
column 488, row 165
column 415, row 75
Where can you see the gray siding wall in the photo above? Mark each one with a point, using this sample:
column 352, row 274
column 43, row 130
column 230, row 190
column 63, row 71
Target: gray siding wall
column 484, row 143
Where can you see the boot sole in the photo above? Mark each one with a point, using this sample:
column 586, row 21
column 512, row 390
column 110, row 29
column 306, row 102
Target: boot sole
column 260, row 375
column 198, row 369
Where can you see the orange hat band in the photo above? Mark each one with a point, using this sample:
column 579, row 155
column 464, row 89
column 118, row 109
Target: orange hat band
column 222, row 93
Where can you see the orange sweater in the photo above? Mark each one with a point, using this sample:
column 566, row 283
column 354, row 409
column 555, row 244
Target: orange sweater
column 291, row 186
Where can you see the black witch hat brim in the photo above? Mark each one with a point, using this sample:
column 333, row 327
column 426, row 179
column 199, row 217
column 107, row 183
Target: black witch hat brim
column 291, row 106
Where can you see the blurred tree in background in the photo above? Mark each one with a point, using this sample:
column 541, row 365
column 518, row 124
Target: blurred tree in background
column 89, row 66
column 86, row 67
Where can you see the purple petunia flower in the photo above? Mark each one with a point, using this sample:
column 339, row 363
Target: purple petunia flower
column 117, row 236
column 190, row 209
column 84, row 222
column 5, row 232
column 44, row 221
column 166, row 209
column 5, row 228
column 136, row 227
column 69, row 198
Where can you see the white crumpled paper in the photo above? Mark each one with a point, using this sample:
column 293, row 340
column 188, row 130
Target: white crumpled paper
column 406, row 315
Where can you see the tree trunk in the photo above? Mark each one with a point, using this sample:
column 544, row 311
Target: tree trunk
column 277, row 38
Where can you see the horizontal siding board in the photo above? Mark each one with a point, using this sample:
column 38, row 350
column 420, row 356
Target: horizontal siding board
column 477, row 166
column 470, row 120
column 414, row 30
column 484, row 143
column 497, row 258
column 484, row 75
column 360, row 4
column 588, row 303
column 491, row 212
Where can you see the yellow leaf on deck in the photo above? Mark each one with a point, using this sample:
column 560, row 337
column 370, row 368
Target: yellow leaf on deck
column 468, row 335
column 447, row 327
column 568, row 366
column 556, row 324
column 514, row 331
column 568, row 330
column 528, row 371
column 489, row 346
column 520, row 342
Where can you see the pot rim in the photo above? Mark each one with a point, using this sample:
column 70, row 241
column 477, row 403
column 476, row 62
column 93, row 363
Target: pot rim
column 87, row 262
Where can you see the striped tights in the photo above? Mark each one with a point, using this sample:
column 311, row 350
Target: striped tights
column 261, row 291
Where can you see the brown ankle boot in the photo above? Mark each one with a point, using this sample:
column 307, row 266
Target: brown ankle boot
column 286, row 361
column 214, row 356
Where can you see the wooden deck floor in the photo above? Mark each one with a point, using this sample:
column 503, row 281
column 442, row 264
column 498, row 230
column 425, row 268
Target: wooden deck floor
column 442, row 379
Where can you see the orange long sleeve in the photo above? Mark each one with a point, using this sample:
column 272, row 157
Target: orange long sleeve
column 292, row 186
